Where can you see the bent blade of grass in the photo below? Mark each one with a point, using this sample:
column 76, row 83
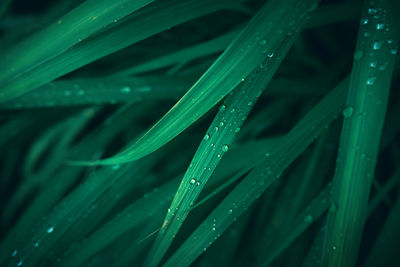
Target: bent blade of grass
column 254, row 184
column 149, row 21
column 271, row 27
column 362, row 128
column 96, row 91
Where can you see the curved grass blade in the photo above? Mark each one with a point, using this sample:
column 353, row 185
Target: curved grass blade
column 272, row 165
column 362, row 129
column 149, row 21
column 260, row 39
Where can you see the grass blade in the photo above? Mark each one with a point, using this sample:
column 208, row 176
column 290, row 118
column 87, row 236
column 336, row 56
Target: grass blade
column 362, row 128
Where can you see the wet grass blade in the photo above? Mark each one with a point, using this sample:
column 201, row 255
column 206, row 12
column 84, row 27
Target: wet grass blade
column 273, row 163
column 149, row 21
column 260, row 39
column 363, row 121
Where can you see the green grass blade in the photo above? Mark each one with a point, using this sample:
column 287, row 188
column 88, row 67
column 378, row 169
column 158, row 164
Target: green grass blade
column 362, row 128
column 249, row 189
column 104, row 91
column 260, row 39
column 75, row 26
column 151, row 20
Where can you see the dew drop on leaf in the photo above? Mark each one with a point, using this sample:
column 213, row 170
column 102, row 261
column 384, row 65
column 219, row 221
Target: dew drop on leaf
column 225, row 148
column 373, row 64
column 14, row 253
column 193, row 181
column 377, row 45
column 206, row 137
column 308, row 219
column 380, row 26
column 348, row 112
column 50, row 229
column 364, row 21
column 371, row 80
column 393, row 51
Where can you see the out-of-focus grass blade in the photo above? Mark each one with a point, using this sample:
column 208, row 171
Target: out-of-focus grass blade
column 183, row 56
column 385, row 249
column 271, row 27
column 314, row 210
column 273, row 163
column 363, row 121
column 135, row 214
column 149, row 21
column 105, row 91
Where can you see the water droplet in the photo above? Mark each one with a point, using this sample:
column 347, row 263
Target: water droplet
column 14, row 253
column 250, row 103
column 364, row 21
column 270, row 54
column 377, row 45
column 198, row 183
column 373, row 64
column 334, row 247
column 216, row 128
column 221, row 123
column 367, row 34
column 193, row 181
column 214, row 228
column 222, row 108
column 267, row 154
column 348, row 112
column 230, row 211
column 380, row 26
column 19, row 263
column 81, row 92
column 371, row 80
column 126, row 90
column 237, row 130
column 371, row 11
column 390, row 41
column 206, row 137
column 225, row 148
column 393, row 51
column 358, row 55
column 36, row 244
column 50, row 229
column 308, row 219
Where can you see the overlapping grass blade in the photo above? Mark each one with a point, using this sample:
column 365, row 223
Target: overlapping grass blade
column 250, row 188
column 362, row 128
column 149, row 21
column 78, row 24
column 260, row 39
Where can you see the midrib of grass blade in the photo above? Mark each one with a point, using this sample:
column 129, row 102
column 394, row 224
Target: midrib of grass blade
column 214, row 145
column 362, row 128
column 250, row 188
column 268, row 30
column 149, row 21
column 73, row 27
column 100, row 91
